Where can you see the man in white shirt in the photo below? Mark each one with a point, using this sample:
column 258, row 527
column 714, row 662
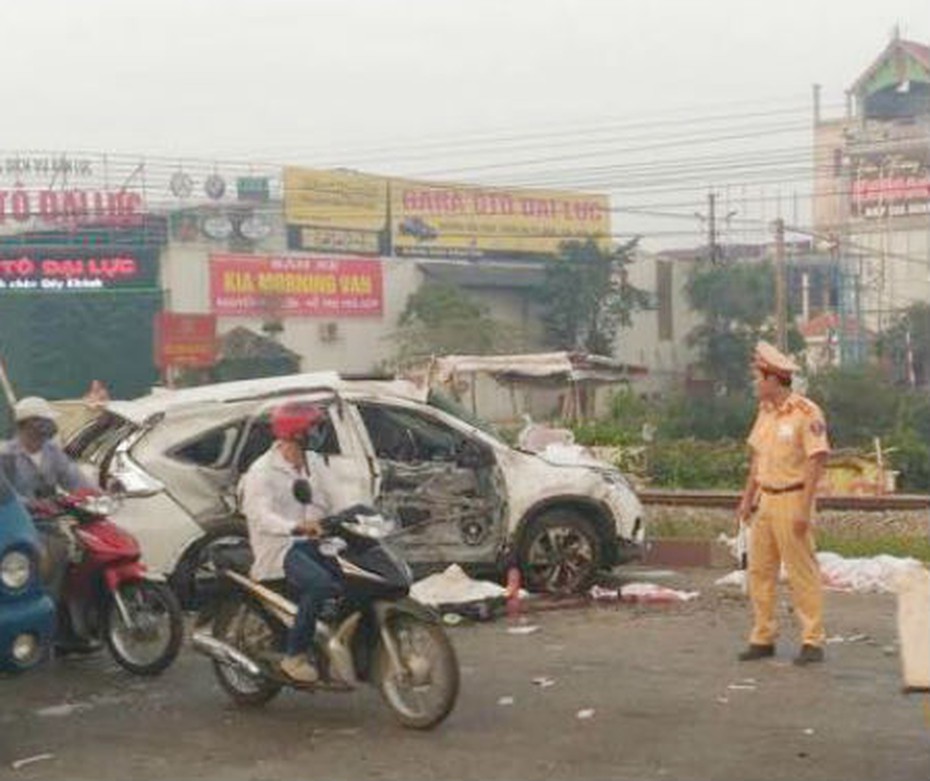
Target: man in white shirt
column 282, row 529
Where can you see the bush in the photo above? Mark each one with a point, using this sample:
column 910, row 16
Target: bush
column 709, row 417
column 690, row 463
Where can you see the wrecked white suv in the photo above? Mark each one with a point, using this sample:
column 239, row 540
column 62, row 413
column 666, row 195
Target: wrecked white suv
column 460, row 493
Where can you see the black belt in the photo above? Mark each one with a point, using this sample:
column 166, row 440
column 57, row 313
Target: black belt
column 785, row 489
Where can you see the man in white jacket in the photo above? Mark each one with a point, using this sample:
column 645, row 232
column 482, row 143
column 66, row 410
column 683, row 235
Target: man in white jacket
column 282, row 529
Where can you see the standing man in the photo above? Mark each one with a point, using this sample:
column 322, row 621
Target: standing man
column 282, row 529
column 789, row 448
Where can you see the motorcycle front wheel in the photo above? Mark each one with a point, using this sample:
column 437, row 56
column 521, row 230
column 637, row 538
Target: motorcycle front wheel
column 151, row 639
column 247, row 630
column 423, row 691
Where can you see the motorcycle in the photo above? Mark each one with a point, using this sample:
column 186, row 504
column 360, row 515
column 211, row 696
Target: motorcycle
column 373, row 633
column 106, row 594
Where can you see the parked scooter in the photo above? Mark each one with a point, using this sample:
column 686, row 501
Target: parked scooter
column 373, row 633
column 106, row 595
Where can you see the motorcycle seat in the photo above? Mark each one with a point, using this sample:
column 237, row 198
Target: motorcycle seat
column 235, row 556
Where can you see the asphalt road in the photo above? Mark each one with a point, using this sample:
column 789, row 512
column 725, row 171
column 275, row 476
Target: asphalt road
column 664, row 696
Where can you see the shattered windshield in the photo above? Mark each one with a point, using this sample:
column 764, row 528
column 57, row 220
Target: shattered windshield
column 446, row 403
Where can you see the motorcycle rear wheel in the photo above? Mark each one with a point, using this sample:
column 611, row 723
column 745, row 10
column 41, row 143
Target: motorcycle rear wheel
column 152, row 642
column 247, row 630
column 424, row 693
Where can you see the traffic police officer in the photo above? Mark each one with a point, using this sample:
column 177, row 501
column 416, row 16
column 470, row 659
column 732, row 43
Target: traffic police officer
column 789, row 448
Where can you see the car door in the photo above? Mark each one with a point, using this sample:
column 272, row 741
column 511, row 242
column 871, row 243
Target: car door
column 442, row 484
column 335, row 456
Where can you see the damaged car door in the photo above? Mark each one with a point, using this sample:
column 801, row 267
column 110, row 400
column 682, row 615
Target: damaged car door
column 441, row 483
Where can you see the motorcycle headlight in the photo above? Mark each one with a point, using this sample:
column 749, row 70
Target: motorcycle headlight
column 373, row 526
column 15, row 570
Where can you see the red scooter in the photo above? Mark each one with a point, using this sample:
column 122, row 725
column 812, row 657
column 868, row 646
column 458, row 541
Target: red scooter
column 106, row 595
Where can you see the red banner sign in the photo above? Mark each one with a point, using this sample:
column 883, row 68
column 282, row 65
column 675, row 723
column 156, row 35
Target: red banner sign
column 185, row 340
column 277, row 285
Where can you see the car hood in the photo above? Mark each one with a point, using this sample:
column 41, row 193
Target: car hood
column 571, row 455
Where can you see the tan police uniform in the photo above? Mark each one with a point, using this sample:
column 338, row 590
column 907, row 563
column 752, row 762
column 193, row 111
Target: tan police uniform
column 783, row 438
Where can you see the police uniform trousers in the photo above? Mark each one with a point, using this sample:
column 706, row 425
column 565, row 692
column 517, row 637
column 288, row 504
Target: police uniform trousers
column 773, row 541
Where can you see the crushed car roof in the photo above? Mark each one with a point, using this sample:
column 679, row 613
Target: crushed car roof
column 162, row 400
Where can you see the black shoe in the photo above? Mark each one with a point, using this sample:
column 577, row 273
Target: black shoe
column 756, row 652
column 75, row 646
column 808, row 655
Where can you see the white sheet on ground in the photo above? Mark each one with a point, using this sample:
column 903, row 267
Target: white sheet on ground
column 650, row 592
column 877, row 574
column 453, row 587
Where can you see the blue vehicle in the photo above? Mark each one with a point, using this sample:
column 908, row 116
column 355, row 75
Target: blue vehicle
column 27, row 613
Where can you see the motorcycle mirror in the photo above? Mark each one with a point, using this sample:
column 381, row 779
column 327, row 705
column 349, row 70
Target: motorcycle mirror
column 302, row 491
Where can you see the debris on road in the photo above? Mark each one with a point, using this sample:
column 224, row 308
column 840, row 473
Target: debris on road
column 650, row 592
column 65, row 709
column 544, row 683
column 453, row 587
column 585, row 713
column 21, row 763
column 505, row 701
column 809, row 731
column 599, row 593
column 522, row 629
column 748, row 687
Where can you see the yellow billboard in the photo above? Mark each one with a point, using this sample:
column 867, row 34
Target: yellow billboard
column 335, row 210
column 449, row 220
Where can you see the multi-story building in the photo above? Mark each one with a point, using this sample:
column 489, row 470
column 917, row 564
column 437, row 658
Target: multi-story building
column 872, row 185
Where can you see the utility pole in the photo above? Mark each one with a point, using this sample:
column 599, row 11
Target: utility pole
column 712, row 226
column 781, row 299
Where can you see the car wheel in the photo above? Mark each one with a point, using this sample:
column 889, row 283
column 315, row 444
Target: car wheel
column 560, row 553
column 194, row 576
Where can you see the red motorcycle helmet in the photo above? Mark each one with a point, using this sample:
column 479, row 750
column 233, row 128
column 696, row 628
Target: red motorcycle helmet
column 295, row 419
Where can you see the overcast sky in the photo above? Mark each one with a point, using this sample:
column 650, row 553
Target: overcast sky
column 356, row 81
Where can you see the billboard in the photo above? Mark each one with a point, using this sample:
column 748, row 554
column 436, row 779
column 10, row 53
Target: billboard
column 335, row 211
column 87, row 260
column 281, row 285
column 449, row 220
column 185, row 340
column 891, row 196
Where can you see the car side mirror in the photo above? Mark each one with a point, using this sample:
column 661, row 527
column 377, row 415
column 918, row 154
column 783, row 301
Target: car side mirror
column 302, row 491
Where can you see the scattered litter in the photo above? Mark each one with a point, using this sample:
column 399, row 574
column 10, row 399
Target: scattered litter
column 749, row 681
column 889, row 650
column 453, row 587
column 849, row 639
column 735, row 578
column 809, row 731
column 505, row 701
column 19, row 763
column 585, row 713
column 65, row 709
column 604, row 594
column 723, row 700
column 451, row 619
column 523, row 629
column 544, row 683
column 748, row 687
column 650, row 592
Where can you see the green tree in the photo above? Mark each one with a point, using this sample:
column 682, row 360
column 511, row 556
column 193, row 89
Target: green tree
column 441, row 319
column 586, row 296
column 737, row 303
column 909, row 334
